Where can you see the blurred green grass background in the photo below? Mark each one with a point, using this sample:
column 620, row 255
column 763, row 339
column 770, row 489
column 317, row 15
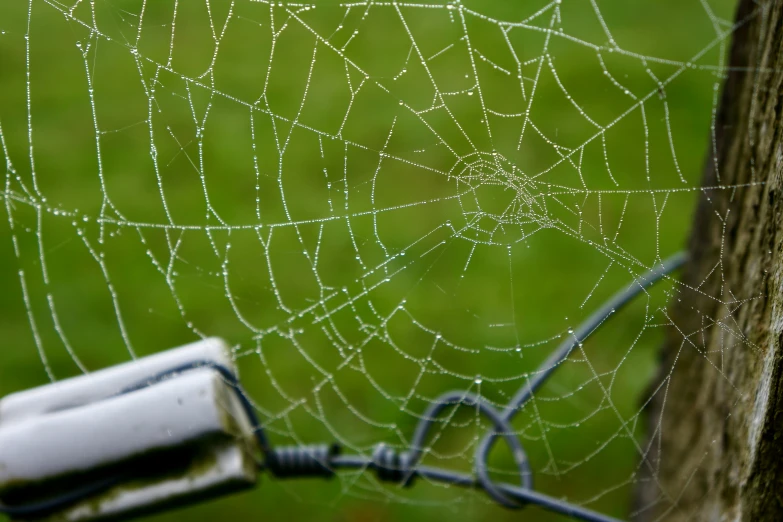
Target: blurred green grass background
column 157, row 140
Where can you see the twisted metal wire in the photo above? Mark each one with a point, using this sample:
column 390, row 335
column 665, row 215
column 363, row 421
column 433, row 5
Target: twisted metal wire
column 323, row 460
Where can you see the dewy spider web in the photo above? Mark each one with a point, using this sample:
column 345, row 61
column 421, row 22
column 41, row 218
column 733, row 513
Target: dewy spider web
column 375, row 202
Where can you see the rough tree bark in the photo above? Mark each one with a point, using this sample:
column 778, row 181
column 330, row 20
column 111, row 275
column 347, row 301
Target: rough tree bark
column 716, row 422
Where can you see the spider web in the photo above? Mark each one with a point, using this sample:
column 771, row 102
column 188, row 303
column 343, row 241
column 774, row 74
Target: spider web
column 374, row 203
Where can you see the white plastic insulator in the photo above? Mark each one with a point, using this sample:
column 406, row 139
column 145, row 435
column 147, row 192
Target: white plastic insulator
column 66, row 431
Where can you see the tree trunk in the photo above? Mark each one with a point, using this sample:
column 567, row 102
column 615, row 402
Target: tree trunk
column 715, row 421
